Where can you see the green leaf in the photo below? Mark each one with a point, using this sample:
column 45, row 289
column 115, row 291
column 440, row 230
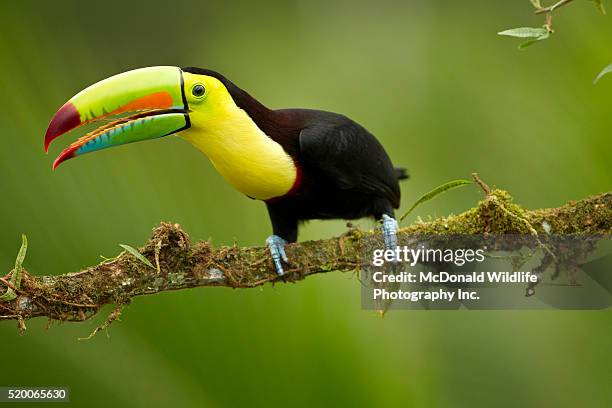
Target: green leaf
column 525, row 32
column 535, row 35
column 604, row 72
column 16, row 275
column 531, row 42
column 438, row 190
column 536, row 4
column 137, row 254
column 19, row 261
column 8, row 295
column 600, row 6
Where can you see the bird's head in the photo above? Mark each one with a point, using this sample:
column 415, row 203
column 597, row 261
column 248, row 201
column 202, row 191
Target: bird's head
column 138, row 105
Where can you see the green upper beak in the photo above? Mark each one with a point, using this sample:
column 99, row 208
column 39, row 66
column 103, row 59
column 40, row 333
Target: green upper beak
column 153, row 97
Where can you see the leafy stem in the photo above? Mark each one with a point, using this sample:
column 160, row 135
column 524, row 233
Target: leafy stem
column 536, row 34
column 550, row 9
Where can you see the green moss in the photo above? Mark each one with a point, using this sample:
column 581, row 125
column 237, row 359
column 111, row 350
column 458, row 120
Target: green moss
column 496, row 214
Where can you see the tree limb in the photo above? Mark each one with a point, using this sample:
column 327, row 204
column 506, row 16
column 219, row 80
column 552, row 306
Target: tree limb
column 179, row 264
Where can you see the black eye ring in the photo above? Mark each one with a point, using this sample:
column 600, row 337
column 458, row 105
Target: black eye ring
column 198, row 90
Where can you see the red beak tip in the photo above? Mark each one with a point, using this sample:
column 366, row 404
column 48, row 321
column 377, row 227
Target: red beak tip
column 67, row 154
column 58, row 161
column 66, row 119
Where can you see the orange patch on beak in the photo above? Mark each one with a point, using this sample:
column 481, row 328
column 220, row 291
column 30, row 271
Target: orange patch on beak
column 158, row 100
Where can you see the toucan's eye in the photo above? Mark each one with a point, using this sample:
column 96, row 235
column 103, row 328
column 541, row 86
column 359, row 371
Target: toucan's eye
column 198, row 90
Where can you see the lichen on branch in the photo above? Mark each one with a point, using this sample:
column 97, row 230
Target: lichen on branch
column 177, row 263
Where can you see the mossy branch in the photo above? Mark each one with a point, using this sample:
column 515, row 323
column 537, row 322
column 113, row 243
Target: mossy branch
column 179, row 264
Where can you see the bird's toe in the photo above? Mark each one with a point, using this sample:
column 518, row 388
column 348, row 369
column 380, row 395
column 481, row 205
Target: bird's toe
column 276, row 246
column 389, row 231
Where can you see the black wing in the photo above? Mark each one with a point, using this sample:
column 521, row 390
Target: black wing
column 345, row 153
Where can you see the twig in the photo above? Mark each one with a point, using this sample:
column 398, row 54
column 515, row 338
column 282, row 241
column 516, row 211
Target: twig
column 9, row 285
column 552, row 8
column 114, row 315
column 482, row 184
column 548, row 23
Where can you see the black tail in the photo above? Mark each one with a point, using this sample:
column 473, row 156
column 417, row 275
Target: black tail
column 402, row 173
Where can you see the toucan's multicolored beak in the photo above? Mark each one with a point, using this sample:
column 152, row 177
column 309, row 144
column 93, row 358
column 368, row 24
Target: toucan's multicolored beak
column 152, row 97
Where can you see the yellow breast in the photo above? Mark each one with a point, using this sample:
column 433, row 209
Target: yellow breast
column 245, row 156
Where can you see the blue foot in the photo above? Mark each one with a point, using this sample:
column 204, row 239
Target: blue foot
column 277, row 249
column 389, row 231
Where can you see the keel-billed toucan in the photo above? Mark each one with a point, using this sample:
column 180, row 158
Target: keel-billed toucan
column 304, row 164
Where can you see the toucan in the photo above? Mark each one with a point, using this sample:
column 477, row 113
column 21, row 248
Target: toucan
column 304, row 164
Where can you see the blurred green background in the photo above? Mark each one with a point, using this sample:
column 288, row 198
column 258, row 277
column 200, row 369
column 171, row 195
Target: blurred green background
column 444, row 94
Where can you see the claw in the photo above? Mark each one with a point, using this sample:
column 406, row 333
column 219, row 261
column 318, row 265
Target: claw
column 389, row 231
column 277, row 249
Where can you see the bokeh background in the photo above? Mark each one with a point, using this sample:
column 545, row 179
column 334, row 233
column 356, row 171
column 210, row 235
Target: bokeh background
column 431, row 79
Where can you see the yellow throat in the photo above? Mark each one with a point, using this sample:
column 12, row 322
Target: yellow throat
column 245, row 156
